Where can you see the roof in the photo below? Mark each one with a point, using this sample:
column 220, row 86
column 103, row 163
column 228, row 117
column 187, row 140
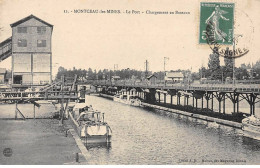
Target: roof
column 28, row 18
column 174, row 75
column 2, row 70
column 149, row 77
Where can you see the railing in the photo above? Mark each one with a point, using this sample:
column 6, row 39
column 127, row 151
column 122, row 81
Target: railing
column 218, row 87
column 5, row 49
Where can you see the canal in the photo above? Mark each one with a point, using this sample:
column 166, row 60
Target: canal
column 142, row 136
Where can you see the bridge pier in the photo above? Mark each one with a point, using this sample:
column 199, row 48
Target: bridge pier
column 159, row 97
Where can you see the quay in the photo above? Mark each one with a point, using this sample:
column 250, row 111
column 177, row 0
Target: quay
column 40, row 141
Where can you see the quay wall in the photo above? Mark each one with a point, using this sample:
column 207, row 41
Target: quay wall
column 188, row 114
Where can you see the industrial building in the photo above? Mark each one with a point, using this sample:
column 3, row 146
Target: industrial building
column 30, row 49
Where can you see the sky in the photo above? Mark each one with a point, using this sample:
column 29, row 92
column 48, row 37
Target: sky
column 98, row 41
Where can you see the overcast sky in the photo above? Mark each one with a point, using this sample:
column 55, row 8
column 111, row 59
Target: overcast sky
column 102, row 40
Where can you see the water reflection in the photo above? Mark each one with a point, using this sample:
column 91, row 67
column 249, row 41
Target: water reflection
column 148, row 136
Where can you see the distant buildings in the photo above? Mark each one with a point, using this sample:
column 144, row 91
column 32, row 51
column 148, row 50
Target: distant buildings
column 174, row 76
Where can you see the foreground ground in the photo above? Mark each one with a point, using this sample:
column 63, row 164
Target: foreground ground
column 40, row 141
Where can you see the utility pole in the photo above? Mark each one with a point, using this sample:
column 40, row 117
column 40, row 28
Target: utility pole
column 165, row 59
column 62, row 99
column 233, row 54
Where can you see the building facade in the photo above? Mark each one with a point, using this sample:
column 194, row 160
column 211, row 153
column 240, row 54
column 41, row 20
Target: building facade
column 174, row 76
column 31, row 52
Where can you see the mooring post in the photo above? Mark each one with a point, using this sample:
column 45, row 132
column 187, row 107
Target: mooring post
column 188, row 100
column 164, row 98
column 159, row 97
column 171, row 99
column 77, row 157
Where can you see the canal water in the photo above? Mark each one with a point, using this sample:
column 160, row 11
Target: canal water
column 142, row 136
column 147, row 136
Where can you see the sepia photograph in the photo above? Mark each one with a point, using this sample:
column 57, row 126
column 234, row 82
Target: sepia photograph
column 130, row 82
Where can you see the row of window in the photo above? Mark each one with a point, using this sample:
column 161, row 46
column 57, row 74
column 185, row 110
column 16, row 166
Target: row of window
column 40, row 30
column 23, row 43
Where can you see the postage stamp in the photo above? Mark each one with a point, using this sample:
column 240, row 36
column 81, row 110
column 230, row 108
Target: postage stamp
column 216, row 23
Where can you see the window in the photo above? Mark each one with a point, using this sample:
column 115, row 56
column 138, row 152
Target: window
column 41, row 43
column 22, row 43
column 22, row 29
column 41, row 30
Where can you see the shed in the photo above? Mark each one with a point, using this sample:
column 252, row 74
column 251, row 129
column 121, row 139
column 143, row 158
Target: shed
column 152, row 79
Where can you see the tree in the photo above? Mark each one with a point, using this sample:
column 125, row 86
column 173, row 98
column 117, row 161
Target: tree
column 214, row 65
column 228, row 68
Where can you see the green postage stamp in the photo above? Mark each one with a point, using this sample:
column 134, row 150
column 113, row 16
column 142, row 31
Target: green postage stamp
column 216, row 23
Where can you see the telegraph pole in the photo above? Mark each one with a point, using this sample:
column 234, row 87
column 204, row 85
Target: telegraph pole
column 233, row 54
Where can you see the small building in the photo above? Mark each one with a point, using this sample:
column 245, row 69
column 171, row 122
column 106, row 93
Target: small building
column 152, row 79
column 2, row 75
column 174, row 76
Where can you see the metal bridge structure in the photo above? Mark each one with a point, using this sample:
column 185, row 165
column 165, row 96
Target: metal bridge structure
column 220, row 92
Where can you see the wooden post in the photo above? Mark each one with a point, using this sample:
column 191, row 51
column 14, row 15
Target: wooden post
column 15, row 110
column 251, row 105
column 224, row 104
column 193, row 101
column 219, row 105
column 164, row 98
column 33, row 111
column 62, row 99
column 171, row 99
column 159, row 97
column 212, row 101
column 207, row 98
column 196, row 103
column 238, row 103
column 202, row 103
column 234, row 105
column 188, row 100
